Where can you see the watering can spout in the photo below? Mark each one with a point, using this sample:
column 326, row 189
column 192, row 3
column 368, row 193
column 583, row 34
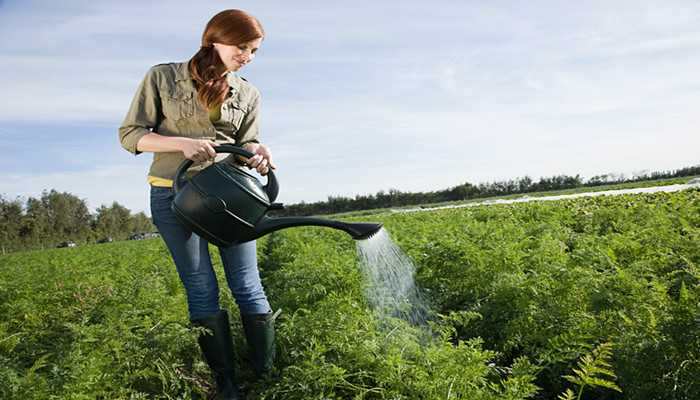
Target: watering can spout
column 358, row 230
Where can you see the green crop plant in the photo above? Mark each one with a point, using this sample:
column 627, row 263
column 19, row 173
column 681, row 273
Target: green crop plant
column 593, row 371
column 522, row 295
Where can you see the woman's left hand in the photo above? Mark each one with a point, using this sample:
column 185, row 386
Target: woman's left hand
column 262, row 160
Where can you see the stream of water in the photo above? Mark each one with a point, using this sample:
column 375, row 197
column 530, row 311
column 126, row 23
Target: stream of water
column 390, row 285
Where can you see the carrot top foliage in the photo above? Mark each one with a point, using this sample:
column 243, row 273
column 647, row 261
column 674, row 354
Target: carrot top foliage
column 568, row 299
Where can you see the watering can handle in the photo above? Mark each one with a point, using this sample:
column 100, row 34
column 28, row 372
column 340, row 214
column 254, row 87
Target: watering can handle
column 272, row 188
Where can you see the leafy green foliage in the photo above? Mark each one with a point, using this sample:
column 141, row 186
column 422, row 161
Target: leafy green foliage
column 593, row 370
column 549, row 280
column 331, row 346
column 103, row 321
column 523, row 295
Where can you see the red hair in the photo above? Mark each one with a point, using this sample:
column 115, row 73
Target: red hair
column 229, row 27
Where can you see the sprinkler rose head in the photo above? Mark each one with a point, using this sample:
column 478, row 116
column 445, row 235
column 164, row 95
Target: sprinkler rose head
column 363, row 230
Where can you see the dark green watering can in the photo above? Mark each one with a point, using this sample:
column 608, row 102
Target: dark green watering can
column 226, row 205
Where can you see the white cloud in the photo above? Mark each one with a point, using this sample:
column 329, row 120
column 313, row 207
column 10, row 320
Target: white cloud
column 369, row 96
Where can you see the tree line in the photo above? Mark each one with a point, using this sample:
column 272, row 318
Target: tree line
column 468, row 191
column 57, row 217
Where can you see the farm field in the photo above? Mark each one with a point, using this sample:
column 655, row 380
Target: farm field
column 531, row 195
column 575, row 298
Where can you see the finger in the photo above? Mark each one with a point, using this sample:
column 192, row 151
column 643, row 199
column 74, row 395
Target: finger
column 263, row 169
column 254, row 161
column 251, row 147
column 264, row 151
column 211, row 153
column 262, row 166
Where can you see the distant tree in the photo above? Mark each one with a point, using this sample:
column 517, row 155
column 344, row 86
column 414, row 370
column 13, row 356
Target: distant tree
column 114, row 221
column 35, row 230
column 524, row 184
column 10, row 224
column 598, row 180
column 68, row 216
column 141, row 223
column 461, row 192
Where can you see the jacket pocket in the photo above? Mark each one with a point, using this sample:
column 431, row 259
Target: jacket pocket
column 233, row 112
column 178, row 106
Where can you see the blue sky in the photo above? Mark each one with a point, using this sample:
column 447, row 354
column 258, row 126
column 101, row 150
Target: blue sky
column 364, row 96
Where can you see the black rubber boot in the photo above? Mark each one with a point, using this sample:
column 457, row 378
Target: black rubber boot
column 260, row 333
column 217, row 348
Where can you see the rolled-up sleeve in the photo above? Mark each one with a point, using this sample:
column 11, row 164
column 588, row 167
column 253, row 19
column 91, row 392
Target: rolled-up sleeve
column 250, row 126
column 143, row 115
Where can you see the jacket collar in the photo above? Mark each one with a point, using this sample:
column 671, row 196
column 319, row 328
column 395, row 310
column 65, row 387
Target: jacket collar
column 183, row 76
column 182, row 72
column 234, row 82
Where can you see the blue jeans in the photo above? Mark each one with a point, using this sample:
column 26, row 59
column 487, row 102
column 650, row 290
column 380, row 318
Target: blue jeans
column 190, row 253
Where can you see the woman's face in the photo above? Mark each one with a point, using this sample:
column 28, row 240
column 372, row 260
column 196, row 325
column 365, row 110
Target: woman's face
column 235, row 57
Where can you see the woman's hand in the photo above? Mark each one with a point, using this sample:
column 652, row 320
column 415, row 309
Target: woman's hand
column 262, row 160
column 199, row 150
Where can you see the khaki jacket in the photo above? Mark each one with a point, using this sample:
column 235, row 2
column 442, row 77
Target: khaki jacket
column 166, row 103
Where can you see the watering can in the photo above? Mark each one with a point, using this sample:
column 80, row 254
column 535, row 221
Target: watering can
column 226, row 205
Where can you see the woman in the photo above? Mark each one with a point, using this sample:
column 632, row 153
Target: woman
column 184, row 110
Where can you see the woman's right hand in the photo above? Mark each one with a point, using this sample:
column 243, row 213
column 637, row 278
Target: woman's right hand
column 199, row 150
